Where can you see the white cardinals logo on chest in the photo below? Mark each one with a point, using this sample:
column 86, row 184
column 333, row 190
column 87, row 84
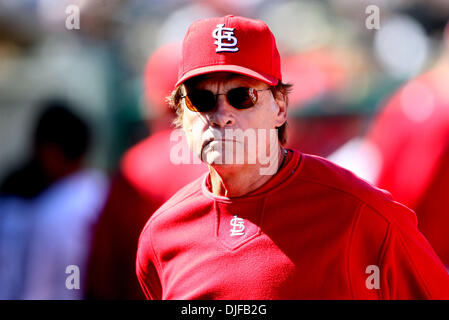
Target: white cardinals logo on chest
column 226, row 41
column 238, row 226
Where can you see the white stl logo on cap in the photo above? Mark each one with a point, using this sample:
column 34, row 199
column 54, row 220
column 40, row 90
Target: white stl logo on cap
column 221, row 33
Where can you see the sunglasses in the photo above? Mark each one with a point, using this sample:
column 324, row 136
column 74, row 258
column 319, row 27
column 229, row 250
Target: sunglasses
column 205, row 100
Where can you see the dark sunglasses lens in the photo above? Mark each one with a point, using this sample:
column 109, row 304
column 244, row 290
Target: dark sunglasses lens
column 202, row 100
column 242, row 98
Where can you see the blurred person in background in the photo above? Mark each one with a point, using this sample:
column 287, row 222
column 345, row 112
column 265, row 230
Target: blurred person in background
column 406, row 149
column 412, row 136
column 145, row 180
column 48, row 207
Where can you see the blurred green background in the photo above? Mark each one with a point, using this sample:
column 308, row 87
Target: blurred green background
column 350, row 69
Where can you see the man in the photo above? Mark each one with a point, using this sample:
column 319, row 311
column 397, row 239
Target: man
column 285, row 226
column 48, row 207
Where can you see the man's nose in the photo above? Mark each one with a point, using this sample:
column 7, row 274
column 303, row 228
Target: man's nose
column 223, row 115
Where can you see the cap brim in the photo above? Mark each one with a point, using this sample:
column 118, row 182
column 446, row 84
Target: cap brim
column 272, row 81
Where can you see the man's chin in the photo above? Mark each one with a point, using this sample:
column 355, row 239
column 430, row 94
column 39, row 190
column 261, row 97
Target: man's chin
column 214, row 157
column 218, row 161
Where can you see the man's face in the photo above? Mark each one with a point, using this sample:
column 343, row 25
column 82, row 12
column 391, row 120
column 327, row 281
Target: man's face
column 229, row 136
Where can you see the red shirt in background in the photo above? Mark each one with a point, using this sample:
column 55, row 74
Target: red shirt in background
column 412, row 136
column 147, row 179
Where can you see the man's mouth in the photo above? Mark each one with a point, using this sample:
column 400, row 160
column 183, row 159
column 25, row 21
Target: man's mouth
column 206, row 142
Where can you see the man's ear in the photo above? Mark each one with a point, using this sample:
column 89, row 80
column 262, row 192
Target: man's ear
column 281, row 116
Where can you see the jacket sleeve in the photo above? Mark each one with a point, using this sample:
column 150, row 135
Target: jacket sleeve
column 411, row 268
column 146, row 268
column 388, row 245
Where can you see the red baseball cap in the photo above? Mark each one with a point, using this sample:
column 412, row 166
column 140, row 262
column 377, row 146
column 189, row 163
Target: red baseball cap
column 160, row 75
column 233, row 44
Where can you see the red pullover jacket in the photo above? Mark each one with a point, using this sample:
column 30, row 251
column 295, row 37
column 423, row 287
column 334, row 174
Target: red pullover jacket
column 313, row 231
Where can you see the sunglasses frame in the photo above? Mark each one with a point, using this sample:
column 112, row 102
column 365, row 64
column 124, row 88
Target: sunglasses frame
column 251, row 92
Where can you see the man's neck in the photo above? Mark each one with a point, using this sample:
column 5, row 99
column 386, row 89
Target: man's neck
column 236, row 182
